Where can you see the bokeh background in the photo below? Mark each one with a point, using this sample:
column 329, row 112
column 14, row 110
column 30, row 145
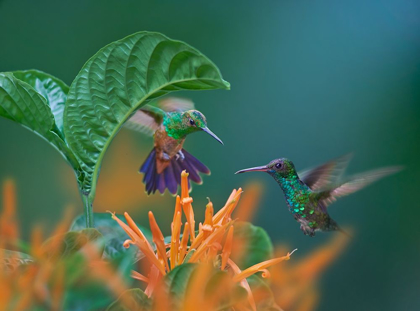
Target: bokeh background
column 311, row 80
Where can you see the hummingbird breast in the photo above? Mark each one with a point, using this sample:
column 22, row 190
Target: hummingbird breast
column 166, row 148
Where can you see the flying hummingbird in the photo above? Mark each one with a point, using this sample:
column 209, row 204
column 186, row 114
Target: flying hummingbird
column 170, row 121
column 309, row 193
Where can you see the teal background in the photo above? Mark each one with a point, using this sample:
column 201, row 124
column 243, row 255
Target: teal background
column 311, row 80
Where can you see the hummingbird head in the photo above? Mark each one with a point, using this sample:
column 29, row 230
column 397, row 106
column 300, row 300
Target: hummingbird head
column 194, row 121
column 281, row 167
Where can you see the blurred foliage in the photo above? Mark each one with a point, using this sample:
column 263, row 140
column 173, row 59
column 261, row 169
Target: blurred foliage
column 94, row 268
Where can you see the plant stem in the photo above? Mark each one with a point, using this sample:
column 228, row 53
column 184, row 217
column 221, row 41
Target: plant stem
column 87, row 204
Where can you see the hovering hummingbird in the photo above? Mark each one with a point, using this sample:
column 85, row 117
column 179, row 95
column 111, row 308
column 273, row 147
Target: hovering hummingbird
column 170, row 121
column 309, row 193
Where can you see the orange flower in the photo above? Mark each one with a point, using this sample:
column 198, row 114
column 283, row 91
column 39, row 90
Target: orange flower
column 213, row 241
column 42, row 275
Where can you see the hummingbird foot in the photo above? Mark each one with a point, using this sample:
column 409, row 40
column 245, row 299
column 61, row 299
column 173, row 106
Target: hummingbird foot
column 180, row 155
column 307, row 230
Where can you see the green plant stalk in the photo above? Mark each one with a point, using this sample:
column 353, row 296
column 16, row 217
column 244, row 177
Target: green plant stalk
column 87, row 199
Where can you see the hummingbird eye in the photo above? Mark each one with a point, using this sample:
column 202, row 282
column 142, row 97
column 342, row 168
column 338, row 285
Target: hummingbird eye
column 278, row 165
column 192, row 122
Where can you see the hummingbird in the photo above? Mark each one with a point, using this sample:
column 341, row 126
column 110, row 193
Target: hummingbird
column 169, row 122
column 309, row 193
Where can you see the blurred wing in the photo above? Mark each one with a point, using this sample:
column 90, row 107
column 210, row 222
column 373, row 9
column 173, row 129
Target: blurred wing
column 330, row 172
column 358, row 182
column 175, row 104
column 144, row 121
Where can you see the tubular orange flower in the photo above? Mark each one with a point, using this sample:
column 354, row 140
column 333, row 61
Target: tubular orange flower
column 189, row 214
column 178, row 208
column 184, row 243
column 207, row 227
column 244, row 284
column 143, row 245
column 175, row 240
column 216, row 236
column 138, row 276
column 231, row 207
column 184, row 185
column 260, row 267
column 159, row 240
column 227, row 249
column 133, row 227
column 218, row 218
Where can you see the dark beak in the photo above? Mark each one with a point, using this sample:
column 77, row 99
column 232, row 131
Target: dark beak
column 207, row 130
column 263, row 168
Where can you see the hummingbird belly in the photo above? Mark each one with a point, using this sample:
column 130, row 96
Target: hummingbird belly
column 166, row 148
column 304, row 210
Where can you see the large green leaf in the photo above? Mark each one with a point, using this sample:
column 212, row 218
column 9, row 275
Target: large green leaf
column 132, row 299
column 21, row 103
column 113, row 234
column 255, row 245
column 53, row 89
column 117, row 81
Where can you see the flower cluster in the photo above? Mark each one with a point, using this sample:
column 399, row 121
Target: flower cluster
column 212, row 243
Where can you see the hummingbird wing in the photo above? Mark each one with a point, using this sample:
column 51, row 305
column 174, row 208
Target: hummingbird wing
column 148, row 119
column 170, row 104
column 144, row 121
column 327, row 173
column 355, row 183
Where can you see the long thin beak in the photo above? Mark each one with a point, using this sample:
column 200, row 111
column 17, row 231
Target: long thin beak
column 263, row 168
column 207, row 130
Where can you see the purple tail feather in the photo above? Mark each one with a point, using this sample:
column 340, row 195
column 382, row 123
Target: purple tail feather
column 170, row 178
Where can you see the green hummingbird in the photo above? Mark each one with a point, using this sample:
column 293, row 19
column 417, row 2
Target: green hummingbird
column 170, row 121
column 309, row 193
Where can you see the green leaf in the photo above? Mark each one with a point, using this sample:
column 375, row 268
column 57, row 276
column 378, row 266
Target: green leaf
column 189, row 255
column 53, row 89
column 226, row 297
column 10, row 260
column 113, row 234
column 21, row 103
column 177, row 280
column 132, row 299
column 255, row 244
column 65, row 245
column 117, row 81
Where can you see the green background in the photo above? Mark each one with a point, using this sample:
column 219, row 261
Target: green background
column 311, row 80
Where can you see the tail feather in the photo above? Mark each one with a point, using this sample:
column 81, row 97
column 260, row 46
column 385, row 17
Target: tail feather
column 196, row 163
column 177, row 171
column 150, row 158
column 161, row 186
column 170, row 178
column 190, row 169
